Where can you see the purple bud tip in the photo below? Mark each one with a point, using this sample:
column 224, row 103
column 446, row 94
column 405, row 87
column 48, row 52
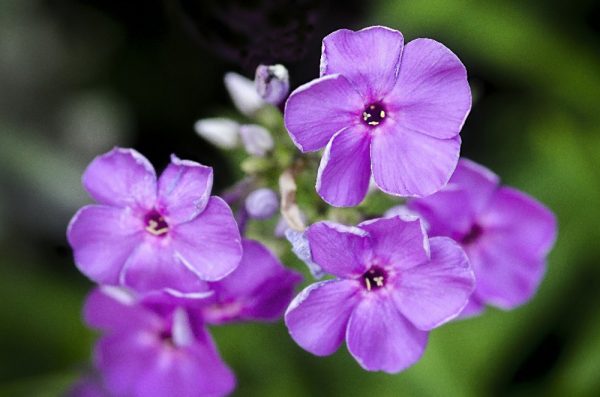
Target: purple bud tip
column 272, row 83
column 262, row 203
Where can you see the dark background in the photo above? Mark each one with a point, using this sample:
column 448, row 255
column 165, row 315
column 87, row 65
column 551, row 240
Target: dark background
column 78, row 77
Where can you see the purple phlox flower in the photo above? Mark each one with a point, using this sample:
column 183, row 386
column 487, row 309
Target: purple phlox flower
column 262, row 203
column 146, row 353
column 259, row 289
column 393, row 284
column 506, row 234
column 147, row 234
column 381, row 108
column 257, row 139
column 272, row 83
column 243, row 94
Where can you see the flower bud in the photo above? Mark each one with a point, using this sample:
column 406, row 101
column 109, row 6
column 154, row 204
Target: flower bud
column 219, row 131
column 272, row 83
column 257, row 140
column 243, row 93
column 262, row 203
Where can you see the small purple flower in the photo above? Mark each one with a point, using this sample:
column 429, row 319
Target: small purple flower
column 383, row 108
column 262, row 203
column 153, row 353
column 257, row 139
column 150, row 235
column 259, row 289
column 506, row 234
column 392, row 285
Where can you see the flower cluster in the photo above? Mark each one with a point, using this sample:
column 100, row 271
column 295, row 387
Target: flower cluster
column 172, row 260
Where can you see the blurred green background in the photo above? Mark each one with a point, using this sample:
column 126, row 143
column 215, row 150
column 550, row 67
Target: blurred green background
column 77, row 77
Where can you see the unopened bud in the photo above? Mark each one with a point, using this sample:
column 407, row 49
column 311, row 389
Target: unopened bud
column 257, row 140
column 219, row 131
column 272, row 83
column 262, row 203
column 243, row 93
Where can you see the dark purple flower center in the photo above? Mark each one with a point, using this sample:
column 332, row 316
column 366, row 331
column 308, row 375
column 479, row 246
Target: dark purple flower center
column 472, row 235
column 166, row 337
column 373, row 114
column 156, row 224
column 374, row 278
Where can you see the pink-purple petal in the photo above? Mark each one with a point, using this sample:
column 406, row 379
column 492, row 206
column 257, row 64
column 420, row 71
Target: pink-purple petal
column 344, row 172
column 505, row 278
column 121, row 178
column 183, row 190
column 410, row 164
column 114, row 308
column 187, row 372
column 156, row 267
column 398, row 242
column 432, row 95
column 381, row 339
column 315, row 111
column 210, row 244
column 436, row 291
column 339, row 250
column 369, row 58
column 102, row 238
column 317, row 317
column 260, row 288
column 522, row 222
column 478, row 182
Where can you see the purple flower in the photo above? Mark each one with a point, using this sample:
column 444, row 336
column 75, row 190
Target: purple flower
column 150, row 235
column 506, row 234
column 392, row 285
column 383, row 108
column 147, row 352
column 259, row 289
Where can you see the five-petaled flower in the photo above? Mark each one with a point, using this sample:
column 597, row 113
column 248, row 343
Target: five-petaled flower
column 392, row 285
column 506, row 234
column 381, row 108
column 147, row 234
column 152, row 348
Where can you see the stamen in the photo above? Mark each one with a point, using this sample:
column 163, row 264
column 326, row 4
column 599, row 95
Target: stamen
column 374, row 114
column 374, row 278
column 156, row 224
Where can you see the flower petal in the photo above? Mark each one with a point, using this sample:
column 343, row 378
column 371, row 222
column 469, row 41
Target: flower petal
column 437, row 291
column 400, row 242
column 183, row 190
column 187, row 372
column 521, row 221
column 479, row 182
column 210, row 245
column 114, row 308
column 317, row 317
column 122, row 178
column 339, row 250
column 410, row 164
column 381, row 339
column 153, row 267
column 260, row 287
column 315, row 111
column 432, row 95
column 505, row 278
column 344, row 172
column 102, row 239
column 369, row 58
column 124, row 357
